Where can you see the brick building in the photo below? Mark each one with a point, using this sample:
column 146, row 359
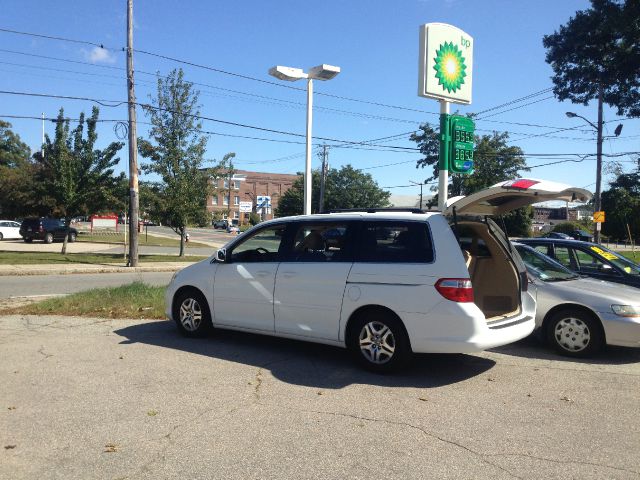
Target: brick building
column 247, row 186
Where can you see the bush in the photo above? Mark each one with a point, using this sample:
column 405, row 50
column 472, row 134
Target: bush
column 254, row 218
column 567, row 227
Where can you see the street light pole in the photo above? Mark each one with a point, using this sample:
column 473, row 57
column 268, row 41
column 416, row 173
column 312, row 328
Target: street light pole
column 600, row 138
column 307, row 163
column 291, row 74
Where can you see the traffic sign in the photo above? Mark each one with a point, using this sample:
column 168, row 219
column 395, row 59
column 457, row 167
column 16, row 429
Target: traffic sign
column 598, row 217
column 461, row 133
column 245, row 207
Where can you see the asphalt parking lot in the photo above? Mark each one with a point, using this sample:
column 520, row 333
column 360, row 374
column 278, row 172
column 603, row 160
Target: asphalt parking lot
column 95, row 398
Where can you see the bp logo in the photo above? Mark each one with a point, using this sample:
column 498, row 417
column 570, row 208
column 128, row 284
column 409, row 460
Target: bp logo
column 450, row 67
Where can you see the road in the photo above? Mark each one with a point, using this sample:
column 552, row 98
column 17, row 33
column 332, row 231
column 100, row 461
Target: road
column 102, row 398
column 39, row 285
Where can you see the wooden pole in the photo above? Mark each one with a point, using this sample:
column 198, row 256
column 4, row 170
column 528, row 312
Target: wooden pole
column 133, row 145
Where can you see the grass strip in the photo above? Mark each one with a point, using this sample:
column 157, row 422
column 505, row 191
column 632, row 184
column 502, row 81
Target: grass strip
column 135, row 300
column 148, row 240
column 34, row 258
column 633, row 256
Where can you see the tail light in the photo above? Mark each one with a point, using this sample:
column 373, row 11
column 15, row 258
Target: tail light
column 455, row 289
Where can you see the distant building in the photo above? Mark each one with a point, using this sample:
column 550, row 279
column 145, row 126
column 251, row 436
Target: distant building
column 247, row 186
column 546, row 214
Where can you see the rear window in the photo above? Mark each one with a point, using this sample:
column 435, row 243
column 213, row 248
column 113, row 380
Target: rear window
column 31, row 222
column 394, row 242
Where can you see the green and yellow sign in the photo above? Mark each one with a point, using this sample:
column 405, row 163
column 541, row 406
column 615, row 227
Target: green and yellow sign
column 461, row 131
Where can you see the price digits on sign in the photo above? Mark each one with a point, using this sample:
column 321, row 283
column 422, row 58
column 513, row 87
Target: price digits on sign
column 461, row 146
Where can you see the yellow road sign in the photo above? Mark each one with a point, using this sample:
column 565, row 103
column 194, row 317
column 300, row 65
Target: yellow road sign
column 598, row 217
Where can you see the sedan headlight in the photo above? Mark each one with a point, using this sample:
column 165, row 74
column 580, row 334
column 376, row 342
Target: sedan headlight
column 626, row 310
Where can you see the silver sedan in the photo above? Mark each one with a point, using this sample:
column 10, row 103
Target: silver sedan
column 578, row 315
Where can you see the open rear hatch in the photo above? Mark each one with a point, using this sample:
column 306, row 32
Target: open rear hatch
column 497, row 272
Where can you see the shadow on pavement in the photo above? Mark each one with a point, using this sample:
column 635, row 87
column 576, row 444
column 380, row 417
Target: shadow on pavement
column 306, row 364
column 533, row 347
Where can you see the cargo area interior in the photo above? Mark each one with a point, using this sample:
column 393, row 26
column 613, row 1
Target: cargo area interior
column 493, row 274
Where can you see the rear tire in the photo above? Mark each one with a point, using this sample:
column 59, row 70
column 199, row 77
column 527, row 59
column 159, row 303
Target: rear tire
column 48, row 238
column 28, row 240
column 72, row 237
column 191, row 313
column 1, row 237
column 574, row 333
column 379, row 341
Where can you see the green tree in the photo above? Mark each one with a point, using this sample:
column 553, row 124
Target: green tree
column 597, row 49
column 175, row 152
column 344, row 188
column 74, row 177
column 621, row 204
column 16, row 175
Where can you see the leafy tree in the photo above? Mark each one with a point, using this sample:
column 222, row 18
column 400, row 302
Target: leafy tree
column 567, row 227
column 622, row 206
column 598, row 49
column 517, row 223
column 344, row 188
column 175, row 152
column 16, row 175
column 74, row 177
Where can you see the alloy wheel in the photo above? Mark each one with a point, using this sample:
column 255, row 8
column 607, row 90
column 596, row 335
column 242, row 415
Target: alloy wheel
column 377, row 342
column 190, row 314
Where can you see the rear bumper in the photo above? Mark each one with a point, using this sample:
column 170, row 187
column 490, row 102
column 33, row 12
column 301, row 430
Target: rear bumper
column 462, row 328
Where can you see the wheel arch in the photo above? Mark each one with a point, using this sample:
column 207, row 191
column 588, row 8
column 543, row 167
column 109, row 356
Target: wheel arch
column 185, row 288
column 365, row 309
column 573, row 306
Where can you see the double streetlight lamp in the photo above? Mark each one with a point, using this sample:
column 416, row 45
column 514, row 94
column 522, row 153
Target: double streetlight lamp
column 321, row 72
column 598, row 129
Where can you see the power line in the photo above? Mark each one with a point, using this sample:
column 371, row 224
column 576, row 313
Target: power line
column 62, row 39
column 517, row 100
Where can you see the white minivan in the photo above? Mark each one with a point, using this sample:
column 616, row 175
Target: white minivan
column 384, row 283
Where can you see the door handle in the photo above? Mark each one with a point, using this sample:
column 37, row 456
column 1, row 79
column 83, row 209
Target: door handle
column 262, row 274
column 289, row 274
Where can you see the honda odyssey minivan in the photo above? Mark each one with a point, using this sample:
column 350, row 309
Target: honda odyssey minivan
column 383, row 283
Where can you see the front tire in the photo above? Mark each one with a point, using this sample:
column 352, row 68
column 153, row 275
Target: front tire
column 72, row 237
column 191, row 313
column 48, row 238
column 28, row 240
column 379, row 341
column 574, row 333
column 1, row 237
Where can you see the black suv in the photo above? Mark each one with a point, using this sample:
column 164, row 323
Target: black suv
column 47, row 229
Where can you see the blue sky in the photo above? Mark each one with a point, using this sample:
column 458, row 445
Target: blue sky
column 374, row 42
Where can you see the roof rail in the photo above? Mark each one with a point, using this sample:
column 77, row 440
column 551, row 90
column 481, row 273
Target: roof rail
column 376, row 209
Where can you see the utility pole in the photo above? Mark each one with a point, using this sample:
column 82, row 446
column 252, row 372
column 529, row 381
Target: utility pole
column 596, row 236
column 133, row 144
column 42, row 147
column 421, row 184
column 323, row 176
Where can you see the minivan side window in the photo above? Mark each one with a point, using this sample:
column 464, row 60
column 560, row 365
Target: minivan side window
column 394, row 242
column 320, row 242
column 262, row 246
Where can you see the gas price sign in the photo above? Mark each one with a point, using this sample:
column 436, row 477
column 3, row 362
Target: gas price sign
column 461, row 130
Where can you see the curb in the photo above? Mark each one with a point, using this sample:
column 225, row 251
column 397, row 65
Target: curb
column 23, row 270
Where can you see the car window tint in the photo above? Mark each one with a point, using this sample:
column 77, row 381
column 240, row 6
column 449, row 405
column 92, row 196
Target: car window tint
column 262, row 246
column 542, row 249
column 320, row 242
column 394, row 242
column 589, row 263
column 564, row 256
column 4, row 224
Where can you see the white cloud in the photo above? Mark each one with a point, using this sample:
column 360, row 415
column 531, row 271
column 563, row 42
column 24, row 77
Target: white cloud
column 99, row 55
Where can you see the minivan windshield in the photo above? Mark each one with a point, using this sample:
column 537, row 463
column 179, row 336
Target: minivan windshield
column 543, row 267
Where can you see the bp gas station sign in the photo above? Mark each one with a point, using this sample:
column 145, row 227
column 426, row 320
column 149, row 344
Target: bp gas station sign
column 446, row 75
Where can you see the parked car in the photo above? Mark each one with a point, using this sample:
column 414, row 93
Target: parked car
column 559, row 235
column 589, row 259
column 582, row 235
column 47, row 229
column 223, row 224
column 578, row 315
column 388, row 284
column 9, row 230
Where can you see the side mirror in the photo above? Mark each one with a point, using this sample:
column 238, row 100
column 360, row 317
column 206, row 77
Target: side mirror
column 605, row 268
column 221, row 255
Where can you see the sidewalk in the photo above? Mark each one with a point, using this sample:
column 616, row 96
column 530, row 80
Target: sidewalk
column 54, row 269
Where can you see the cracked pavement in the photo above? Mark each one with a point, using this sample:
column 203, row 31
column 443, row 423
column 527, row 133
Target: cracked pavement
column 123, row 399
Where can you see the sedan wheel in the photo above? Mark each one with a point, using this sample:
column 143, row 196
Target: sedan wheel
column 1, row 237
column 379, row 341
column 72, row 237
column 48, row 238
column 574, row 333
column 191, row 314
